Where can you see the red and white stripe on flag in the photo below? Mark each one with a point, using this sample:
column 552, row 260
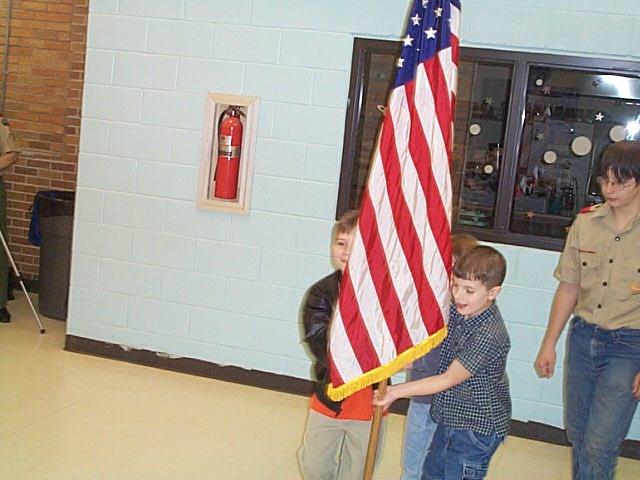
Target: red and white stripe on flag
column 394, row 295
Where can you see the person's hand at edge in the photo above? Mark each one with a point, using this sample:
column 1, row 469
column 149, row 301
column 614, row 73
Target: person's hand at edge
column 545, row 362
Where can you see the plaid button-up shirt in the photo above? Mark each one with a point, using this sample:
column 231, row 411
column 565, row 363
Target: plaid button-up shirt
column 481, row 403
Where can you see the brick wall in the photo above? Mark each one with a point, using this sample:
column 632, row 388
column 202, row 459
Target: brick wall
column 43, row 99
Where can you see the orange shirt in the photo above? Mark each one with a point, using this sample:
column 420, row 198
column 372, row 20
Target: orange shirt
column 357, row 406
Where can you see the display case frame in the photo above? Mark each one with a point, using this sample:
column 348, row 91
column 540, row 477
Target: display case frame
column 501, row 230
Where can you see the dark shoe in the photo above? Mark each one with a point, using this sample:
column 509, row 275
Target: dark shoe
column 5, row 316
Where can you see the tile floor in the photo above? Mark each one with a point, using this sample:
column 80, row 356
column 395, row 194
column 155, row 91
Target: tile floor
column 70, row 416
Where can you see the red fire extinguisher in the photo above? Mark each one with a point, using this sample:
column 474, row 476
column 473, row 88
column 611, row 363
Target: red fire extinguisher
column 228, row 164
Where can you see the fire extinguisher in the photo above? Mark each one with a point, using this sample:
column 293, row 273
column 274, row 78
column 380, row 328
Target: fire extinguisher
column 228, row 164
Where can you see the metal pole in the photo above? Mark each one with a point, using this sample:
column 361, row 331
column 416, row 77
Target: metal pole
column 19, row 278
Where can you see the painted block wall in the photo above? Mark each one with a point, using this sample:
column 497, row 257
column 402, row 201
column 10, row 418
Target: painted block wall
column 151, row 271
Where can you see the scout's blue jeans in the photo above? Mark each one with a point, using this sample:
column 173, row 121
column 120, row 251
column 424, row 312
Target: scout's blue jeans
column 459, row 454
column 418, row 432
column 599, row 404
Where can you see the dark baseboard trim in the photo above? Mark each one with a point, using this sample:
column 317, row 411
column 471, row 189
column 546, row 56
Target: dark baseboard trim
column 287, row 384
column 254, row 378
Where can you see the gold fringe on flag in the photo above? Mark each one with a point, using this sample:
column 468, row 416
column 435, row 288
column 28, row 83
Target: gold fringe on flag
column 385, row 371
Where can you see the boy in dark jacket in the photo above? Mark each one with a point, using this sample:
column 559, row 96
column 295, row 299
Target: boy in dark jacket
column 337, row 433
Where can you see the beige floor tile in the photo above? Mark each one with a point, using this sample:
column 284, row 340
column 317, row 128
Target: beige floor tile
column 69, row 416
column 525, row 459
column 288, row 470
column 242, row 465
column 628, row 468
column 18, row 472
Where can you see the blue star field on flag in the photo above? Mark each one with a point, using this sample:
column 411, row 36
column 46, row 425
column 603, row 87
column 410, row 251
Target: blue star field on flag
column 428, row 32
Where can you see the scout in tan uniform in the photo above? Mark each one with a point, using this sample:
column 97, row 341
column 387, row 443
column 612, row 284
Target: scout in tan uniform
column 599, row 274
column 8, row 156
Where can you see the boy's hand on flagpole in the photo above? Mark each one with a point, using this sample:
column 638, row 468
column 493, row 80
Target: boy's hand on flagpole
column 386, row 400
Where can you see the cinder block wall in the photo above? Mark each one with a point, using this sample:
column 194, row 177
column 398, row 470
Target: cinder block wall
column 42, row 103
column 152, row 271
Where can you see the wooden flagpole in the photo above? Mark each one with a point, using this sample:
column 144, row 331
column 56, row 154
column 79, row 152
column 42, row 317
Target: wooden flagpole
column 374, row 436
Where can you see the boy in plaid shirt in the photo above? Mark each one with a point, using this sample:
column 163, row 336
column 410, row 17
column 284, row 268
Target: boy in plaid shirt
column 472, row 406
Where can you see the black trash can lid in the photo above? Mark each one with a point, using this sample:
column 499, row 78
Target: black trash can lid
column 60, row 204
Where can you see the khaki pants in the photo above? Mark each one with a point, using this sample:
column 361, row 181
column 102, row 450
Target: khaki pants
column 335, row 449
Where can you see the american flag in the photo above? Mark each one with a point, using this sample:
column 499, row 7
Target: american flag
column 394, row 293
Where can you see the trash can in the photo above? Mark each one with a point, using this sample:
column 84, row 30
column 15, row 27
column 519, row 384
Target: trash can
column 54, row 213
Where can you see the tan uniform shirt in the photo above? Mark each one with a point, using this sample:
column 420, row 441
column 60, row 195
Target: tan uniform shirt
column 606, row 265
column 7, row 142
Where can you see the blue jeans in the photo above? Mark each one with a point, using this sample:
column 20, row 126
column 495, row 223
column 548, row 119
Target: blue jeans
column 599, row 404
column 459, row 454
column 418, row 432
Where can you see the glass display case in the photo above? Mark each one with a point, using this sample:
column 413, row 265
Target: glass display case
column 481, row 115
column 571, row 116
column 529, row 131
column 373, row 68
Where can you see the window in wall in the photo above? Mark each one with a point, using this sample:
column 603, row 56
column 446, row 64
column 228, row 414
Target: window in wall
column 571, row 116
column 479, row 138
column 372, row 74
column 529, row 132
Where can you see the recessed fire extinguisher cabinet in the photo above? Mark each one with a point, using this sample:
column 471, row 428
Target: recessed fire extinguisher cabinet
column 226, row 168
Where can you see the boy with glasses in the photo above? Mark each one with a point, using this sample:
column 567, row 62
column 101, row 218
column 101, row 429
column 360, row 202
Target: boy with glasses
column 599, row 274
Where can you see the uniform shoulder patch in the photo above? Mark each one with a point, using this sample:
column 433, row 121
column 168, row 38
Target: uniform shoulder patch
column 590, row 208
